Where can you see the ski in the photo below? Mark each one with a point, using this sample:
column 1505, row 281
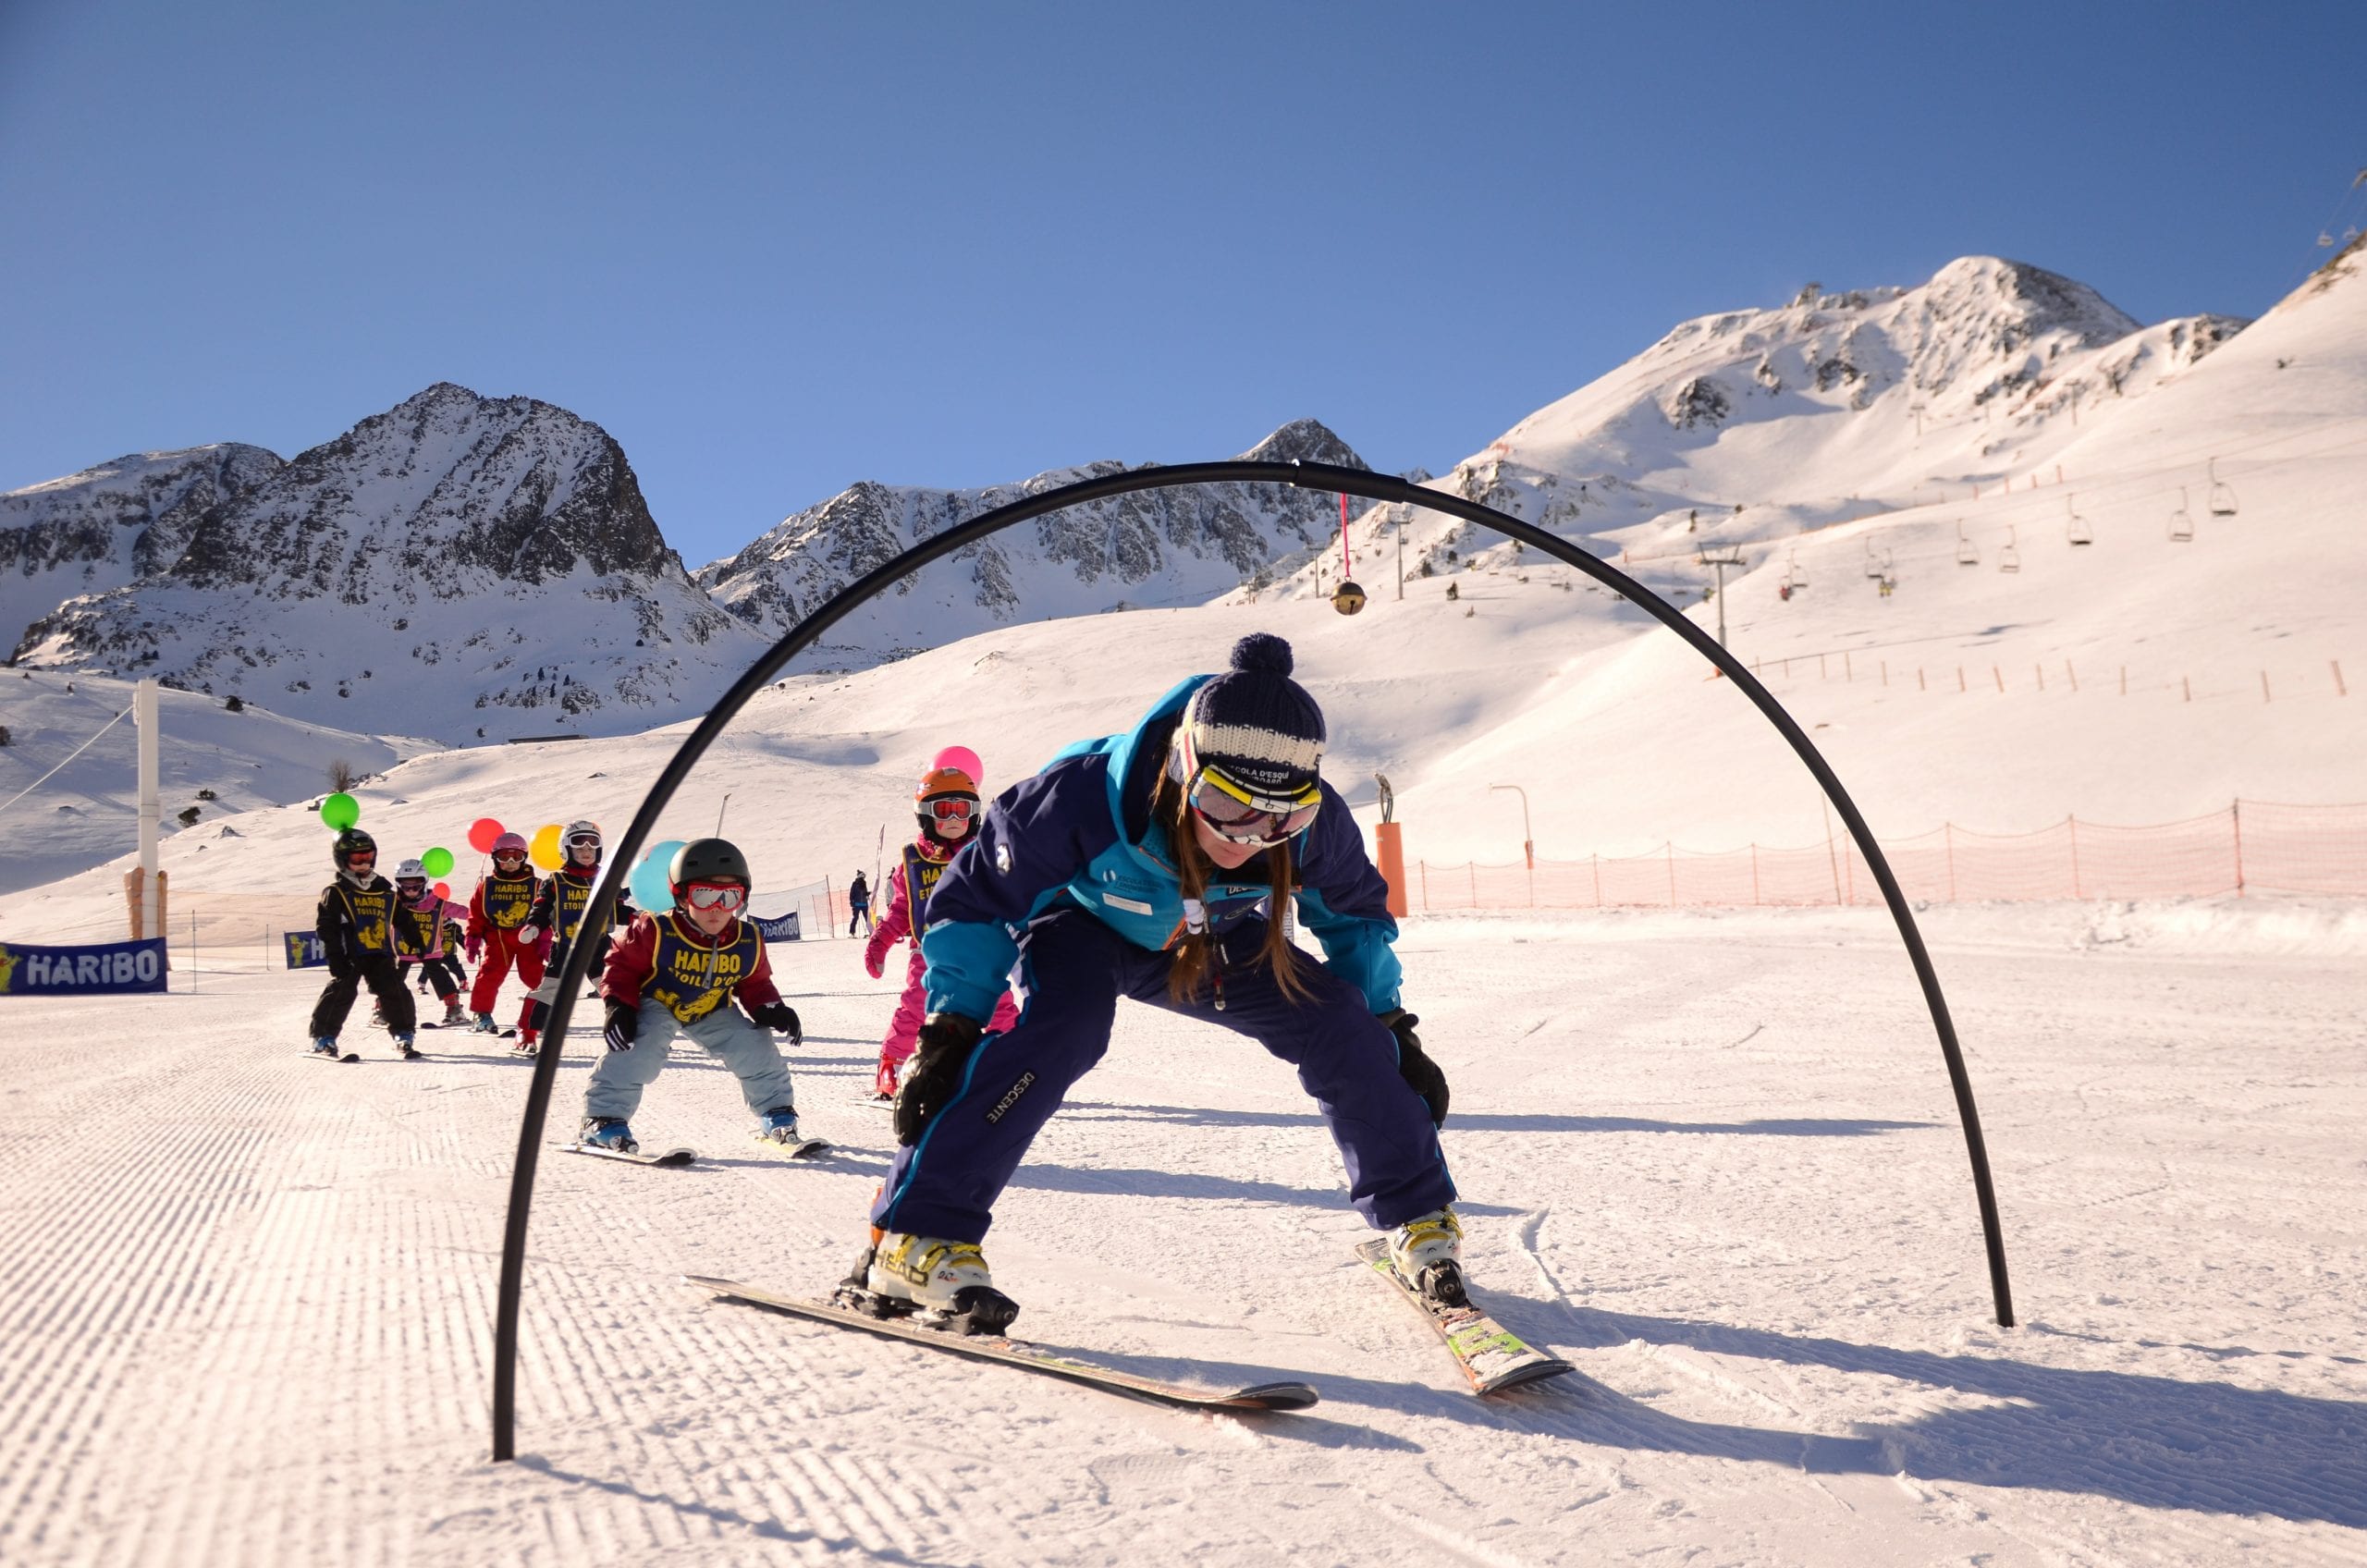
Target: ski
column 1017, row 1354
column 348, row 1055
column 670, row 1158
column 803, row 1149
column 1492, row 1357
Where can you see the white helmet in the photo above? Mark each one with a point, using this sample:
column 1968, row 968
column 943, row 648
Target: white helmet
column 581, row 830
column 411, row 870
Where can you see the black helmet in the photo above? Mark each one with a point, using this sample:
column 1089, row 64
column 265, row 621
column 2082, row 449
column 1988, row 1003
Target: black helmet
column 351, row 842
column 707, row 860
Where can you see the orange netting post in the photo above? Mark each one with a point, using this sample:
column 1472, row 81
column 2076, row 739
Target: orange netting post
column 1391, row 844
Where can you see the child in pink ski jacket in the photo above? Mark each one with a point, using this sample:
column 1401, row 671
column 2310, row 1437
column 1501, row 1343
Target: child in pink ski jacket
column 947, row 804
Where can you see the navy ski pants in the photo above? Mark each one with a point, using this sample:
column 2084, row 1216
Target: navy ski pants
column 1072, row 971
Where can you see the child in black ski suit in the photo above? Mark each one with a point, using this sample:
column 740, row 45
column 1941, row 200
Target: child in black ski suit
column 355, row 922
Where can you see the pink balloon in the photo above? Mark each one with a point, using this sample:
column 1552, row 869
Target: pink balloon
column 966, row 760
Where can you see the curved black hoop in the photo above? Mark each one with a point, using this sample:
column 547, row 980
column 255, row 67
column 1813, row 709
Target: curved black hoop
column 1306, row 476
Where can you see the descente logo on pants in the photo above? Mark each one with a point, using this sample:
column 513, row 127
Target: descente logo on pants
column 1012, row 1099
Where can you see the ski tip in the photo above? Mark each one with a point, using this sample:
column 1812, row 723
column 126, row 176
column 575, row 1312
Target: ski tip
column 1273, row 1396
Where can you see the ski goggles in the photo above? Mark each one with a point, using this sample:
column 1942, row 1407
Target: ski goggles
column 508, row 857
column 581, row 840
column 952, row 808
column 363, row 857
column 412, row 886
column 1233, row 810
column 714, row 895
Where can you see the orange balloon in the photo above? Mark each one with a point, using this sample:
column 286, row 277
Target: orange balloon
column 542, row 848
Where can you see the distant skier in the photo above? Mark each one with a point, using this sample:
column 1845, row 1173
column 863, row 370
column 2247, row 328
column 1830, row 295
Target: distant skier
column 859, row 904
column 560, row 906
column 679, row 972
column 947, row 807
column 422, row 938
column 355, row 922
column 1141, row 866
column 497, row 911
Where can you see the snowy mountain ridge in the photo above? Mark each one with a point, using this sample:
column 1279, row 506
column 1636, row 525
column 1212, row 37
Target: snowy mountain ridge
column 470, row 568
column 1153, row 547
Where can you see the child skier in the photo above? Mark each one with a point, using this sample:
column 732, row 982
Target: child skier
column 497, row 910
column 677, row 972
column 551, row 924
column 947, row 806
column 423, row 940
column 355, row 922
column 1141, row 866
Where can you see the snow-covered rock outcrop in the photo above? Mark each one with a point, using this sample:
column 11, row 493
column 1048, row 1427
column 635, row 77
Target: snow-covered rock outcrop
column 112, row 524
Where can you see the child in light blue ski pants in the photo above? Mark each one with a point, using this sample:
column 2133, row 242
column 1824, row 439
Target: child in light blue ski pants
column 727, row 1034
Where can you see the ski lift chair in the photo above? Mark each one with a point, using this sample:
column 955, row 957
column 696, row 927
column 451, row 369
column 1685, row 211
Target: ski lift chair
column 2010, row 559
column 2077, row 532
column 1874, row 562
column 2223, row 499
column 2181, row 520
column 1968, row 554
column 1793, row 574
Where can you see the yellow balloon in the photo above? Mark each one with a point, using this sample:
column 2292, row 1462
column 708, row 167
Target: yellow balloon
column 543, row 850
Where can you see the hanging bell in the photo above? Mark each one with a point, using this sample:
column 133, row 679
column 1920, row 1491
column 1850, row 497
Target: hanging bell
column 1347, row 598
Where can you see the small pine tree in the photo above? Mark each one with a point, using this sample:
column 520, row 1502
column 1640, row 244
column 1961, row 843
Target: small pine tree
column 234, row 703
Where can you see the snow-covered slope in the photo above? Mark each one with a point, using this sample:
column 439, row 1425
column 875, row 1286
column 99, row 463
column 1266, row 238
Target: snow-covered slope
column 459, row 567
column 88, row 813
column 112, row 524
column 1157, row 547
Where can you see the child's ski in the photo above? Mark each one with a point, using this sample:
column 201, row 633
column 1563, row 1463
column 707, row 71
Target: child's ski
column 670, row 1157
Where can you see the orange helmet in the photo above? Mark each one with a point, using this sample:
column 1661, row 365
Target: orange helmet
column 939, row 782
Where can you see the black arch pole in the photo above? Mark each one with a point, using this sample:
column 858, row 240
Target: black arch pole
column 1306, row 476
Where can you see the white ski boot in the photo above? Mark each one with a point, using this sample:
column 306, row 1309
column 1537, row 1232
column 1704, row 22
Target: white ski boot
column 1427, row 1252
column 946, row 1278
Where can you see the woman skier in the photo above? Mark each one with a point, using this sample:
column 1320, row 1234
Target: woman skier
column 356, row 924
column 947, row 806
column 1142, row 865
column 497, row 910
column 677, row 972
column 552, row 924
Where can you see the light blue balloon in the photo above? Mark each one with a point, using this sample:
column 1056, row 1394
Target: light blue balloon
column 647, row 884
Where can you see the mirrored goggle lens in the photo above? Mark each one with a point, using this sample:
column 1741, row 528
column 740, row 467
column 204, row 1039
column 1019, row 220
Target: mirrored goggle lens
column 508, row 857
column 952, row 809
column 583, row 838
column 411, row 886
column 363, row 857
column 1227, row 807
column 716, row 895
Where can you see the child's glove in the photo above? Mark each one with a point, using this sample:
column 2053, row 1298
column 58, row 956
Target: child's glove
column 781, row 1017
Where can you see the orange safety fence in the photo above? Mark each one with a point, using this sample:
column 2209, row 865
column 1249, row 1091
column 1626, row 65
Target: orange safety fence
column 2254, row 846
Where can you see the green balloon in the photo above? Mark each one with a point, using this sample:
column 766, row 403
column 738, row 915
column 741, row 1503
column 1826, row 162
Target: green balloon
column 438, row 863
column 340, row 811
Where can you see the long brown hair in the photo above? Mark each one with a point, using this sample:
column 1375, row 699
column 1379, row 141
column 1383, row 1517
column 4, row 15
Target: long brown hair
column 1192, row 869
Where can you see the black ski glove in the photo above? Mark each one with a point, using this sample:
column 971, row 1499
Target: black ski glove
column 1421, row 1074
column 779, row 1017
column 624, row 1026
column 938, row 1056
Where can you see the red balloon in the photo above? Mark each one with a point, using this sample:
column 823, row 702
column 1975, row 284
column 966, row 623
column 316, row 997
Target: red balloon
column 443, row 890
column 482, row 833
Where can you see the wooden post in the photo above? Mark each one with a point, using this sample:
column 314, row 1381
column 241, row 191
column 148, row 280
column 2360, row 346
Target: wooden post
column 2236, row 823
column 2264, row 686
column 2072, row 673
column 1960, row 685
column 2339, row 688
column 1948, row 836
column 1671, row 847
column 1754, row 871
column 2187, row 685
column 2000, row 675
column 2073, row 824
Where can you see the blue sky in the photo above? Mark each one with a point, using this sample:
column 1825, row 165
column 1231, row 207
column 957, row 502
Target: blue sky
column 775, row 249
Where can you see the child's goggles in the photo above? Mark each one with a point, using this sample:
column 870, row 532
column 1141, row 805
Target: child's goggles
column 952, row 808
column 508, row 857
column 1235, row 811
column 714, row 895
column 581, row 840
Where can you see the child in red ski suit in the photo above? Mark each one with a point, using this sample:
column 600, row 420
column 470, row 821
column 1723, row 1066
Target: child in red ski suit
column 498, row 910
column 946, row 803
